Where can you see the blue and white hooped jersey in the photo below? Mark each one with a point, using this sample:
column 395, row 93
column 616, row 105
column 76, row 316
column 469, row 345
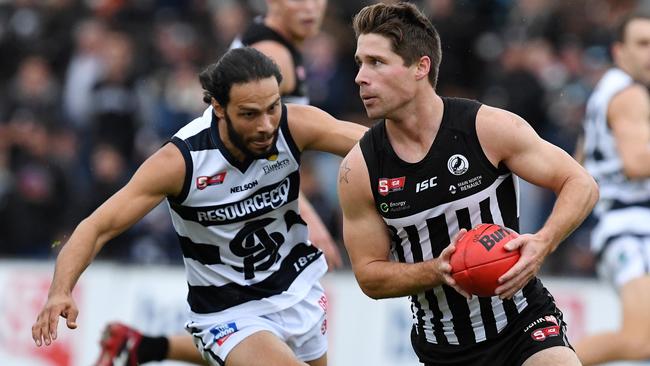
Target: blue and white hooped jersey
column 602, row 159
column 245, row 246
column 624, row 204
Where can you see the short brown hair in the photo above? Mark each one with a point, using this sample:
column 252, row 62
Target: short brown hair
column 621, row 30
column 411, row 33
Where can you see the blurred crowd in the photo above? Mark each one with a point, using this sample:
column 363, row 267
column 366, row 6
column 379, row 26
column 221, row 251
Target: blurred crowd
column 89, row 89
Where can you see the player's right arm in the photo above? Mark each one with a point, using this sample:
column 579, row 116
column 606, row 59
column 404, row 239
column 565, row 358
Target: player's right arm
column 159, row 176
column 368, row 243
column 629, row 118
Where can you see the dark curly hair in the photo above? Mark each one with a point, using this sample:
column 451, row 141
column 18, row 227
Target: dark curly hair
column 237, row 66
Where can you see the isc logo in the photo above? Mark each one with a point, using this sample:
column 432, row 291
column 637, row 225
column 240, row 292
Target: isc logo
column 426, row 184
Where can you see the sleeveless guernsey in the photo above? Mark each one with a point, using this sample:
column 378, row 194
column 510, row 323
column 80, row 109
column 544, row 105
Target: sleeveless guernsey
column 257, row 31
column 424, row 204
column 245, row 246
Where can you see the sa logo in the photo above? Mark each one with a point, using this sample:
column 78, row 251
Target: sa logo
column 204, row 181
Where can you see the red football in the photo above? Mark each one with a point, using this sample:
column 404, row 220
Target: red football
column 480, row 259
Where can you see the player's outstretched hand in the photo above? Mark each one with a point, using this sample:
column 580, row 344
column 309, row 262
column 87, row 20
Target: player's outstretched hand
column 533, row 251
column 444, row 265
column 44, row 329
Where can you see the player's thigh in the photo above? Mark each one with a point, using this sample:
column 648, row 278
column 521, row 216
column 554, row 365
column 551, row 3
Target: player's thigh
column 635, row 302
column 262, row 348
column 557, row 356
column 321, row 361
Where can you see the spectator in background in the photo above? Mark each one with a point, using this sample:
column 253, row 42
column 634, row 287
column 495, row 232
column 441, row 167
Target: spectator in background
column 34, row 89
column 33, row 208
column 48, row 29
column 84, row 70
column 616, row 153
column 109, row 172
column 173, row 89
column 116, row 106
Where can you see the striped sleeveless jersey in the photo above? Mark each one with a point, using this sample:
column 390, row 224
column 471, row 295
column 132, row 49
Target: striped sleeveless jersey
column 424, row 204
column 244, row 243
column 624, row 204
column 257, row 31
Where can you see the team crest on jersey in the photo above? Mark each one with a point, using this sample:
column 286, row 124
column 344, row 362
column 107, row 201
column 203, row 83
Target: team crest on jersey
column 389, row 185
column 457, row 164
column 204, row 181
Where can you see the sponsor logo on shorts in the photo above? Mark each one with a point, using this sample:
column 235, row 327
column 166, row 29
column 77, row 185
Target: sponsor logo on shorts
column 540, row 334
column 323, row 303
column 222, row 332
column 323, row 327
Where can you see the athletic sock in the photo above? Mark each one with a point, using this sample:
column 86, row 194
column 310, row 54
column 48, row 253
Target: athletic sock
column 152, row 349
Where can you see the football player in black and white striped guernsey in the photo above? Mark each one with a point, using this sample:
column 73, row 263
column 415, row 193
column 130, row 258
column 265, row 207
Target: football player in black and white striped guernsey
column 231, row 180
column 434, row 167
column 617, row 154
column 280, row 34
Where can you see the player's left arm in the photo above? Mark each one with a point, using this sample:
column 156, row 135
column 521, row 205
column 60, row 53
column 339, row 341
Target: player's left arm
column 315, row 129
column 319, row 235
column 508, row 139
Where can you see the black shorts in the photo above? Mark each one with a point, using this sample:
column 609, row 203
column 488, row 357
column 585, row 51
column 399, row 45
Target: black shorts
column 533, row 331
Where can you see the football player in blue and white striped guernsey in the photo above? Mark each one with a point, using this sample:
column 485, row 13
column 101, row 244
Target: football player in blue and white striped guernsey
column 231, row 180
column 434, row 167
column 279, row 34
column 617, row 153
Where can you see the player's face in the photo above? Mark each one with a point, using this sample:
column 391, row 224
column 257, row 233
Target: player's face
column 385, row 83
column 634, row 52
column 303, row 18
column 253, row 117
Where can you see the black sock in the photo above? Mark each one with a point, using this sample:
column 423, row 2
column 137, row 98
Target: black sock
column 152, row 349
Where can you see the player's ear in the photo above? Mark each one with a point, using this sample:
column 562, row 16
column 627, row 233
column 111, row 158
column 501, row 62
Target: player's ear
column 423, row 68
column 616, row 50
column 218, row 109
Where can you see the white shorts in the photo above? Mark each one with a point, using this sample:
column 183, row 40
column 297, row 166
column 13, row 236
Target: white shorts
column 303, row 327
column 625, row 258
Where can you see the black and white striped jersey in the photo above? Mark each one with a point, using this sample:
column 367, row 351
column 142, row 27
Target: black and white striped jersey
column 424, row 204
column 257, row 31
column 245, row 246
column 624, row 201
